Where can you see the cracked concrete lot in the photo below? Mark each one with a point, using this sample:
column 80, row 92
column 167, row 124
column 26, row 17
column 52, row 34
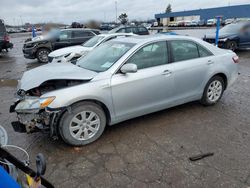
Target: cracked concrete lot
column 149, row 151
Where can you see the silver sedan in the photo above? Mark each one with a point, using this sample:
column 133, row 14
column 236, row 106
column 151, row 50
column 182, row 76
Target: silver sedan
column 119, row 80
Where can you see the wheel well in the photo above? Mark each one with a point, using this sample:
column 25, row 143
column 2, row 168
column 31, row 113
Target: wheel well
column 102, row 105
column 224, row 77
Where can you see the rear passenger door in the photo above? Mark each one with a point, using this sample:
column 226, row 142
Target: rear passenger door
column 81, row 36
column 192, row 63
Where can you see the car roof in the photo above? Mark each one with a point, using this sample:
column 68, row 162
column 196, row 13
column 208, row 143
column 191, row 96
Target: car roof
column 138, row 39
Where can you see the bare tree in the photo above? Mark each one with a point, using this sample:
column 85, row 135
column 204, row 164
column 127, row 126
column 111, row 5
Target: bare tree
column 123, row 18
column 169, row 8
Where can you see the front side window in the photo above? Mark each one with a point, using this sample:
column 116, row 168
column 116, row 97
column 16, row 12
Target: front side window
column 183, row 50
column 64, row 35
column 104, row 56
column 151, row 55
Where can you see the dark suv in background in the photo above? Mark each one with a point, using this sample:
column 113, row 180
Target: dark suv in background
column 39, row 47
column 5, row 43
column 233, row 36
column 139, row 30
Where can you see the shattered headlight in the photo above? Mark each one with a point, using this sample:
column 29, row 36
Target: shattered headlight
column 45, row 101
column 34, row 103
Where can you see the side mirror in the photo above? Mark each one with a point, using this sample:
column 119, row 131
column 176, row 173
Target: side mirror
column 129, row 68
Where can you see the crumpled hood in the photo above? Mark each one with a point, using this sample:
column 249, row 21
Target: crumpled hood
column 53, row 71
column 68, row 50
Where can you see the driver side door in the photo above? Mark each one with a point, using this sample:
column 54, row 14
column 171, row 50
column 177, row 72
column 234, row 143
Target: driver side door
column 149, row 89
column 63, row 40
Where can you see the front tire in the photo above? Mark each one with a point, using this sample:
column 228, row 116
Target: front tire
column 83, row 124
column 42, row 55
column 231, row 45
column 213, row 91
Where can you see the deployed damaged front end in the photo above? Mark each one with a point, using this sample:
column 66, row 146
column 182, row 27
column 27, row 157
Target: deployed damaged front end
column 32, row 108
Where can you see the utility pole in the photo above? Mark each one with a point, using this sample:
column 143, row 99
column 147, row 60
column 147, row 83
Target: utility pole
column 21, row 20
column 115, row 11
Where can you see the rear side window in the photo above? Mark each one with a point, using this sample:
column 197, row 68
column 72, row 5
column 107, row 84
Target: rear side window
column 203, row 52
column 154, row 54
column 129, row 30
column 79, row 34
column 135, row 30
column 183, row 50
column 121, row 30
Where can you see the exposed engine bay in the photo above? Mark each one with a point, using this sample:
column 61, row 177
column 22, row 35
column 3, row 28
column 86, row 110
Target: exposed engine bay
column 31, row 116
column 52, row 85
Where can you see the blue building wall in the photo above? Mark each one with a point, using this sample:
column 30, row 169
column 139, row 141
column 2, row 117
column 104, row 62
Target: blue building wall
column 239, row 11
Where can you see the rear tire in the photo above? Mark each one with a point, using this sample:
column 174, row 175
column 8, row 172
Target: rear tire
column 213, row 91
column 83, row 124
column 42, row 55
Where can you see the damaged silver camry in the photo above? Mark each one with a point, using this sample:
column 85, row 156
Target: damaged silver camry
column 119, row 80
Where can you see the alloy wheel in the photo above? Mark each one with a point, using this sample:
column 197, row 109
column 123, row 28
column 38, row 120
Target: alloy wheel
column 43, row 56
column 84, row 125
column 214, row 91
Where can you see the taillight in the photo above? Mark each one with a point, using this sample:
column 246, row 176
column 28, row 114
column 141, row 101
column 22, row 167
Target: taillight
column 6, row 38
column 236, row 59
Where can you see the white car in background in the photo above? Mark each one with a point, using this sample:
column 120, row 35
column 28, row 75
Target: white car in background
column 74, row 52
column 211, row 22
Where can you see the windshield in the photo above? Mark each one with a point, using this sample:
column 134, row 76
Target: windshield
column 114, row 30
column 104, row 56
column 93, row 41
column 231, row 28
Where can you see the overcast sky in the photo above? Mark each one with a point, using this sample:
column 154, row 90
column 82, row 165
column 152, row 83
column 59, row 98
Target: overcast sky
column 66, row 11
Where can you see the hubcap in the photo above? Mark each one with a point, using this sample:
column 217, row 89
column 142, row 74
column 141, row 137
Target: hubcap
column 43, row 55
column 84, row 125
column 214, row 91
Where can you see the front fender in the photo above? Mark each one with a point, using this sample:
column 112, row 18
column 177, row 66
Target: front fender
column 96, row 90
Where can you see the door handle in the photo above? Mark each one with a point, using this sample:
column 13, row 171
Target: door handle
column 210, row 62
column 166, row 72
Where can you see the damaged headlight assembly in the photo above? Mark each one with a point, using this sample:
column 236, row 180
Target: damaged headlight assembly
column 31, row 104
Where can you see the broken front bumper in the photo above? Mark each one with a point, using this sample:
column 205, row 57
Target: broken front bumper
column 34, row 119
